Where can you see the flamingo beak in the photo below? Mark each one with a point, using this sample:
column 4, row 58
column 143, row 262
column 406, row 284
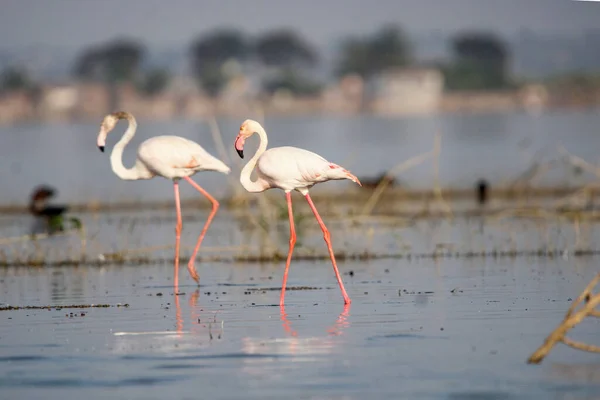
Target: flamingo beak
column 101, row 139
column 239, row 146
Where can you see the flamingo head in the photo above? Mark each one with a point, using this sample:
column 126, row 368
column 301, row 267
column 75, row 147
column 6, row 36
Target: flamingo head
column 248, row 128
column 108, row 124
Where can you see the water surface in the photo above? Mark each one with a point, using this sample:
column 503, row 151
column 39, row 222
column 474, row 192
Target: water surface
column 420, row 329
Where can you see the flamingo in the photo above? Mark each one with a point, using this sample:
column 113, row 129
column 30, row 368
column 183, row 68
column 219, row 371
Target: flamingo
column 171, row 157
column 289, row 168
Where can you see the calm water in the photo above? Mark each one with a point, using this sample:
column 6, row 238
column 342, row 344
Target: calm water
column 498, row 147
column 406, row 335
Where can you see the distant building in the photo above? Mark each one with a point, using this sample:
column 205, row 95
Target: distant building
column 15, row 106
column 407, row 91
column 58, row 102
column 534, row 98
column 60, row 98
column 93, row 101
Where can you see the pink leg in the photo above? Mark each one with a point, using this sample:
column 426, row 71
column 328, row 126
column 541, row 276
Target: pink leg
column 177, row 236
column 215, row 207
column 327, row 238
column 288, row 197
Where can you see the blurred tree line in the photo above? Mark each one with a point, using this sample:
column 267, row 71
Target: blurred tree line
column 367, row 57
column 120, row 61
column 282, row 59
column 480, row 62
column 287, row 57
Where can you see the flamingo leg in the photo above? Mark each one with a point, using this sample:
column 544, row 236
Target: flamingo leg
column 177, row 236
column 215, row 207
column 288, row 197
column 327, row 237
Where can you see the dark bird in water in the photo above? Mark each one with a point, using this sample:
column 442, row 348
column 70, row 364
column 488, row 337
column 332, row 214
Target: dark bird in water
column 373, row 182
column 482, row 191
column 51, row 215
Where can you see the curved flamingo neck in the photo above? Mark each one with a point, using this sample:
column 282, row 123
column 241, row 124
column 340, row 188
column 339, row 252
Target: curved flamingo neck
column 116, row 156
column 259, row 185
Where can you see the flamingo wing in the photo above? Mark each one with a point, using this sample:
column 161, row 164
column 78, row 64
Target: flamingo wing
column 290, row 168
column 177, row 153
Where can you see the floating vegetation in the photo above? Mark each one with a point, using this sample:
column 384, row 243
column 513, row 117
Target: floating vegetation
column 277, row 257
column 287, row 288
column 58, row 308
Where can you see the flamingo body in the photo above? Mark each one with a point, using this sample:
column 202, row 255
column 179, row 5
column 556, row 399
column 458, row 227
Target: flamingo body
column 291, row 168
column 174, row 157
column 171, row 157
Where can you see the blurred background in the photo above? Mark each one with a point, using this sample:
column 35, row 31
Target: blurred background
column 347, row 79
column 462, row 97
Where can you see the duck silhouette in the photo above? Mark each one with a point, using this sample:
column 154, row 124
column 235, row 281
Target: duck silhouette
column 372, row 182
column 49, row 218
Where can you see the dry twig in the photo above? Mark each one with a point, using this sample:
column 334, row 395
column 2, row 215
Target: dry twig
column 437, row 189
column 571, row 319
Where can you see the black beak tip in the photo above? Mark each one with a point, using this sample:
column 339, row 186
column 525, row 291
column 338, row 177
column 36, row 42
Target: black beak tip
column 240, row 153
column 101, row 148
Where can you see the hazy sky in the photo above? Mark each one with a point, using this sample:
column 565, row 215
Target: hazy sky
column 76, row 23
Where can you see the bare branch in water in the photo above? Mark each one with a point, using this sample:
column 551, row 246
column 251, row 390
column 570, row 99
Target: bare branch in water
column 572, row 318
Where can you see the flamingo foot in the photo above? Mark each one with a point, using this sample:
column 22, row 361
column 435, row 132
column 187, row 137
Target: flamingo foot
column 193, row 272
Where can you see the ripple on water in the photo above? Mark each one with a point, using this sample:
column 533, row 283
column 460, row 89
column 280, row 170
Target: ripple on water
column 32, row 345
column 403, row 336
column 179, row 366
column 79, row 382
column 23, row 358
column 142, row 357
column 482, row 395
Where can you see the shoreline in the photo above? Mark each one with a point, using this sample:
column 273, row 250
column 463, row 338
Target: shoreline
column 81, row 103
column 418, row 200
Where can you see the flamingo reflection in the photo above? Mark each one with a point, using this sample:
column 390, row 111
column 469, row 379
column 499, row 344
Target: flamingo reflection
column 196, row 324
column 335, row 330
column 194, row 316
column 198, row 334
column 293, row 344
